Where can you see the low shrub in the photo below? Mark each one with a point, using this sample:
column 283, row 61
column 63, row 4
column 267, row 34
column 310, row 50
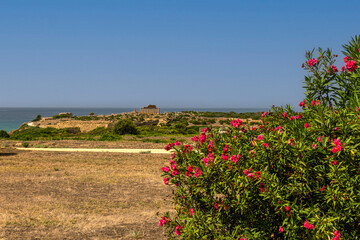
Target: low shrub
column 38, row 118
column 4, row 134
column 109, row 137
column 124, row 126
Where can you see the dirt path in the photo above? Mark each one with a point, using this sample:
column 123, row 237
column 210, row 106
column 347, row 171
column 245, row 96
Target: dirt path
column 162, row 151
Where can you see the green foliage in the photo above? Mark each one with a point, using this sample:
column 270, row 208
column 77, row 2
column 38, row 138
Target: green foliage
column 326, row 84
column 38, row 118
column 294, row 167
column 25, row 144
column 125, row 126
column 109, row 137
column 61, row 116
column 86, row 118
column 35, row 133
column 4, row 134
column 98, row 131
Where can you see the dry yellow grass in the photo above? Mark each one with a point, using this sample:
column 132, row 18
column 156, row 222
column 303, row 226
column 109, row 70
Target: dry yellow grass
column 73, row 195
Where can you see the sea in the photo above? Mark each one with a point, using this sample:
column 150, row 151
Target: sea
column 12, row 118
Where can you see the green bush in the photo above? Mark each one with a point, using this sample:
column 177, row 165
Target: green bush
column 61, row 116
column 295, row 170
column 295, row 176
column 25, row 144
column 98, row 131
column 124, row 126
column 4, row 134
column 329, row 85
column 38, row 118
column 109, row 137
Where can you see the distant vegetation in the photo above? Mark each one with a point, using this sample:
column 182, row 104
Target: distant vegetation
column 125, row 126
column 4, row 134
column 187, row 123
column 38, row 118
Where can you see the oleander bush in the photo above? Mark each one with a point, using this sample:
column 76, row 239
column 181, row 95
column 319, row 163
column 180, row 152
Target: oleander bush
column 296, row 175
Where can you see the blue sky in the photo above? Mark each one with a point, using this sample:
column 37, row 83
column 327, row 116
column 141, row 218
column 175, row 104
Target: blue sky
column 172, row 53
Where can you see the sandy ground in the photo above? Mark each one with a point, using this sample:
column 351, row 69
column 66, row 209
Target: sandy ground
column 82, row 195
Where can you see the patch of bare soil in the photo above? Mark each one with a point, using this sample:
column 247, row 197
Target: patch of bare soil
column 72, row 195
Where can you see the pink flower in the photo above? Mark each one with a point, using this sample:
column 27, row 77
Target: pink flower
column 333, row 162
column 337, row 235
column 356, row 109
column 313, row 146
column 264, row 114
column 234, row 159
column 346, row 58
column 246, row 172
column 226, row 207
column 204, row 130
column 260, row 137
column 266, row 145
column 178, row 230
column 236, row 123
column 206, row 161
column 165, row 169
column 188, row 174
column 287, row 208
column 337, row 142
column 284, row 114
column 312, row 62
column 226, row 148
column 223, row 156
column 302, row 104
column 319, row 138
column 166, row 180
column 351, row 65
column 163, row 221
column 197, row 172
column 190, row 169
column 191, row 211
column 169, row 146
column 322, row 189
column 216, row 206
column 336, row 129
column 343, row 68
column 195, row 139
column 210, row 146
column 308, row 225
column 177, row 143
column 202, row 138
column 333, row 68
column 175, row 172
column 306, row 125
column 281, row 229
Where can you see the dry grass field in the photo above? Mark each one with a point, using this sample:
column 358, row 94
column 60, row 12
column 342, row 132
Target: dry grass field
column 71, row 195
